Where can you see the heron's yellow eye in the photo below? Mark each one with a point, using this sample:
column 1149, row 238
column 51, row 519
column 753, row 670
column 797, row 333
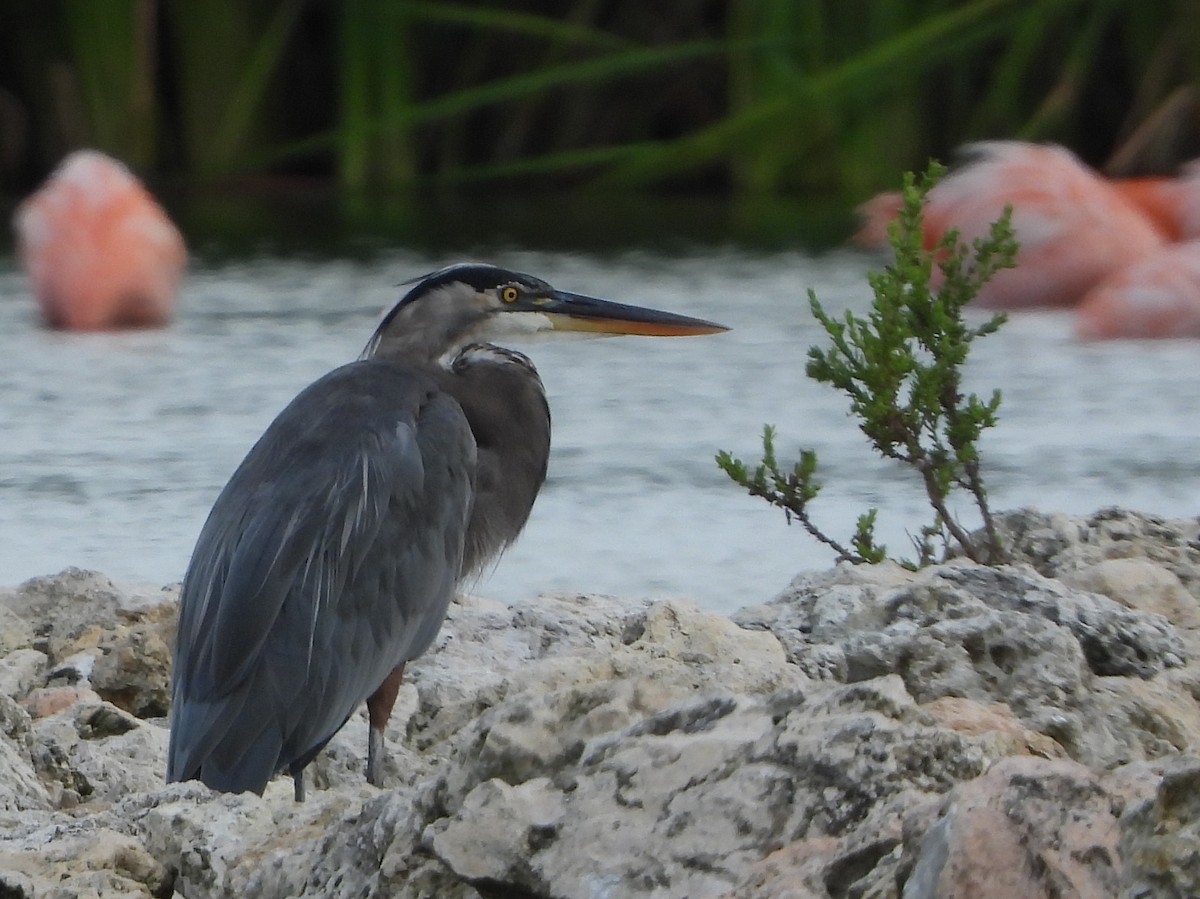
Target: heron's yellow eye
column 509, row 294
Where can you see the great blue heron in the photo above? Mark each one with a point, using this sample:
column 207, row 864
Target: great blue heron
column 331, row 556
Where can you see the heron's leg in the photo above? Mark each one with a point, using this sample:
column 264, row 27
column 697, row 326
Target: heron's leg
column 379, row 709
column 298, row 783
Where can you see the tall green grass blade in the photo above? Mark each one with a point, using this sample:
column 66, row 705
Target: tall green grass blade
column 764, row 65
column 1003, row 103
column 554, row 163
column 1053, row 112
column 247, row 99
column 354, row 156
column 818, row 95
column 517, row 87
column 228, row 52
column 374, row 139
column 493, row 21
column 111, row 49
column 867, row 74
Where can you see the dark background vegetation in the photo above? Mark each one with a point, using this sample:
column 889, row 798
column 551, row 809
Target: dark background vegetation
column 757, row 100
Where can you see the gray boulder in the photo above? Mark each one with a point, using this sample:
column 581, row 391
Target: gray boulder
column 871, row 732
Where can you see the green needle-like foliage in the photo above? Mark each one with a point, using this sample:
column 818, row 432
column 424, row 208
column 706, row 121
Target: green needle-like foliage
column 901, row 367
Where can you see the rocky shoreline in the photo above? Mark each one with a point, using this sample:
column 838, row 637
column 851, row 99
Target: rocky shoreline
column 1031, row 730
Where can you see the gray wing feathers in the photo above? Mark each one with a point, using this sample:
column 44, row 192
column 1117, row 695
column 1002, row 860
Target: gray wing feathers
column 329, row 558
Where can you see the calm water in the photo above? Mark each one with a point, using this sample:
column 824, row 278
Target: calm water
column 114, row 447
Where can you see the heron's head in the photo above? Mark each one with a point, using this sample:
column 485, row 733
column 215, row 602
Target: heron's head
column 472, row 302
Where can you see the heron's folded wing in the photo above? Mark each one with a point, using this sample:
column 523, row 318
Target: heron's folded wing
column 284, row 538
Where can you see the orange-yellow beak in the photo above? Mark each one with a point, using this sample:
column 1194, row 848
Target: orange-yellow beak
column 577, row 312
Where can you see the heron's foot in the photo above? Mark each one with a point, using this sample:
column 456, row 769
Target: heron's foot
column 298, row 784
column 379, row 710
column 375, row 756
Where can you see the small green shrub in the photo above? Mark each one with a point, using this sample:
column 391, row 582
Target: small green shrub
column 901, row 367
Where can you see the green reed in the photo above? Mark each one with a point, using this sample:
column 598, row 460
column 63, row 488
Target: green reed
column 226, row 54
column 760, row 97
column 107, row 96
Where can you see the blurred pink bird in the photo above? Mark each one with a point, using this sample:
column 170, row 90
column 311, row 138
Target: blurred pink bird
column 1073, row 226
column 1173, row 204
column 101, row 253
column 1156, row 296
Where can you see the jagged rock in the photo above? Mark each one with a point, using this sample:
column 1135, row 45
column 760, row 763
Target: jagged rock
column 685, row 802
column 1029, row 827
column 21, row 671
column 871, row 862
column 85, row 636
column 16, row 632
column 72, row 609
column 15, row 725
column 1059, row 545
column 133, row 670
column 1160, row 836
column 1056, row 657
column 993, row 721
column 203, row 837
column 1140, row 584
column 580, row 679
column 95, row 751
column 19, row 785
column 77, row 862
column 854, row 737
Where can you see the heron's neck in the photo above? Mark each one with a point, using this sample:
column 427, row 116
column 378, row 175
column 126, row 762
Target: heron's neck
column 429, row 329
column 435, row 343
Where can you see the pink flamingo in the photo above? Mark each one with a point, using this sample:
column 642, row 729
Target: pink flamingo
column 1156, row 296
column 101, row 253
column 1173, row 204
column 1074, row 228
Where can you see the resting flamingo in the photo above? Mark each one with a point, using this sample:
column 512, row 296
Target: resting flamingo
column 1156, row 296
column 100, row 252
column 1173, row 204
column 1074, row 228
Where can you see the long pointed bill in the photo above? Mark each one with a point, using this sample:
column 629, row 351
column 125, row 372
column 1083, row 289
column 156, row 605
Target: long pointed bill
column 576, row 312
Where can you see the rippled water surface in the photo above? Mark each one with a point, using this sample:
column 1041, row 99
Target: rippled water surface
column 114, row 447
